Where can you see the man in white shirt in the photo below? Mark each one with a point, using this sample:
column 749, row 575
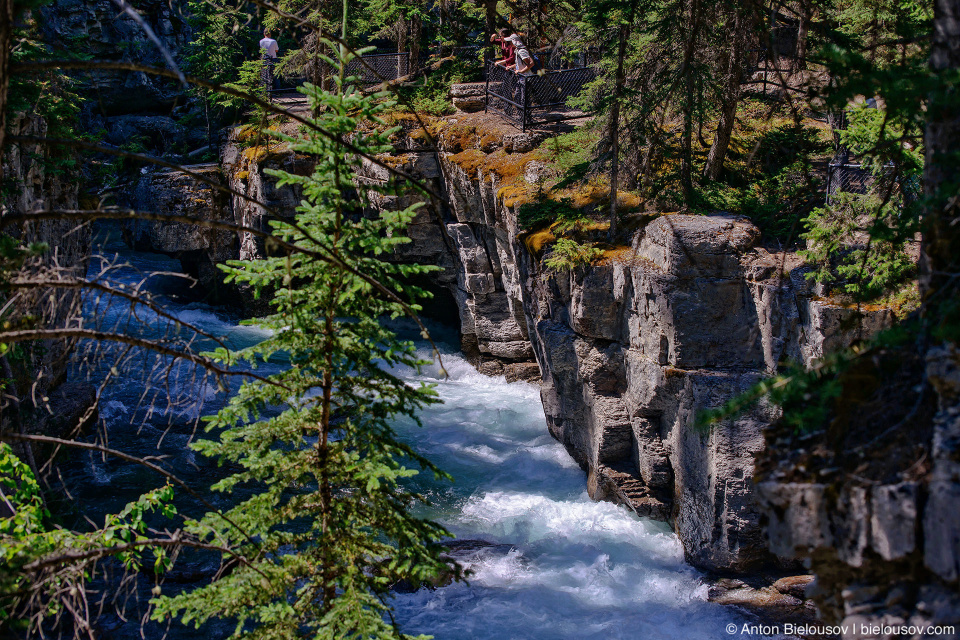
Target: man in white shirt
column 525, row 67
column 525, row 62
column 269, row 50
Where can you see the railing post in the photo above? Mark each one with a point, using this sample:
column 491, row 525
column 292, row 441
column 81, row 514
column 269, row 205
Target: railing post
column 526, row 101
column 486, row 88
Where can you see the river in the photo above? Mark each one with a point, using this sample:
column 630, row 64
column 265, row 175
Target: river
column 559, row 565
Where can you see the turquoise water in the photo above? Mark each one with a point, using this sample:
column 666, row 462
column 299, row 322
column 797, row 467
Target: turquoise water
column 557, row 565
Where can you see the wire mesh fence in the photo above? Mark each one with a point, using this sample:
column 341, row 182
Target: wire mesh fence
column 371, row 69
column 536, row 98
column 560, row 57
column 378, row 67
column 856, row 179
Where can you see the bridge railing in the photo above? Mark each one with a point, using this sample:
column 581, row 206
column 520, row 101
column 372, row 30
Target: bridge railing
column 372, row 69
column 538, row 98
column 854, row 178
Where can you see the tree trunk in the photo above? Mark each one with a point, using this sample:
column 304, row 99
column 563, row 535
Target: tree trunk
column 941, row 239
column 490, row 7
column 806, row 14
column 686, row 149
column 416, row 24
column 6, row 44
column 614, row 128
column 731, row 97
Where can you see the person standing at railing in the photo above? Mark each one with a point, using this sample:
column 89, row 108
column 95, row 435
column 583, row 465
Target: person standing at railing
column 525, row 67
column 268, row 54
column 507, row 48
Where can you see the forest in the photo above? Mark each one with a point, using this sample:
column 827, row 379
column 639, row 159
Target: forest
column 479, row 319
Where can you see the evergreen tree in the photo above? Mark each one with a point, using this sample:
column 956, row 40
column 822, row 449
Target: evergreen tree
column 329, row 528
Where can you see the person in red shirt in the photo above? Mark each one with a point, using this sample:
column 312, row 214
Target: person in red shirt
column 507, row 48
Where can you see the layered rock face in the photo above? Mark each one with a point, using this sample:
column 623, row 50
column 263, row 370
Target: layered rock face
column 99, row 29
column 40, row 189
column 875, row 515
column 38, row 399
column 630, row 350
column 198, row 248
column 627, row 351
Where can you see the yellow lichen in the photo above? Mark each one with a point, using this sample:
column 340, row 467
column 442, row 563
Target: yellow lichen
column 514, row 194
column 265, row 152
column 251, row 133
column 469, row 160
column 537, row 240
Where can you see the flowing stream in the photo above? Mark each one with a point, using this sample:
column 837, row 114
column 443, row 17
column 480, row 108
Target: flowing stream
column 556, row 564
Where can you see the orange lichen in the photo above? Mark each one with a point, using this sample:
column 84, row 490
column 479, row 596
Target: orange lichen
column 392, row 161
column 590, row 194
column 458, row 138
column 627, row 201
column 514, row 194
column 626, row 256
column 419, row 134
column 846, row 304
column 537, row 240
column 265, row 152
column 469, row 160
column 489, row 140
column 251, row 133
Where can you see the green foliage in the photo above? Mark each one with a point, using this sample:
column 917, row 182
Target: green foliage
column 566, row 255
column 221, row 47
column 29, row 545
column 51, row 96
column 329, row 528
column 533, row 215
column 249, row 82
column 859, row 238
column 859, row 241
column 431, row 95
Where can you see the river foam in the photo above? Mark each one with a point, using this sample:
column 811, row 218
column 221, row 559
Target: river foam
column 555, row 564
column 563, row 566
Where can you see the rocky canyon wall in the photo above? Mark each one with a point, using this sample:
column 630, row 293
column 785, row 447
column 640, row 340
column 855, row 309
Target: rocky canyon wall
column 627, row 351
column 35, row 371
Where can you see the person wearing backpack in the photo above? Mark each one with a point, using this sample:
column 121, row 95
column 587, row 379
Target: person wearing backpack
column 525, row 67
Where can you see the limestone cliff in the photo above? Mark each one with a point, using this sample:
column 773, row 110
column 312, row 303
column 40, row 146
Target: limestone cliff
column 869, row 501
column 198, row 248
column 627, row 351
column 40, row 187
column 36, row 397
column 100, row 30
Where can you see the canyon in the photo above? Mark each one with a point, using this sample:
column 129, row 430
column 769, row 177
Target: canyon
column 627, row 351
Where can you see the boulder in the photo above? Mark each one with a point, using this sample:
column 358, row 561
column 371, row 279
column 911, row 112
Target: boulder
column 469, row 96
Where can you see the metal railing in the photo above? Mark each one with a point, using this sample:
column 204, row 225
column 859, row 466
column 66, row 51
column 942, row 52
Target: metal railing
column 378, row 67
column 536, row 98
column 854, row 178
column 371, row 69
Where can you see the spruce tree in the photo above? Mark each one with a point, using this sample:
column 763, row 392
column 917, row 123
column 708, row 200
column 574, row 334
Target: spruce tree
column 329, row 527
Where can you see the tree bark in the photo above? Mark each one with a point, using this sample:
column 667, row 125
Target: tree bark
column 416, row 25
column 806, row 14
column 6, row 44
column 490, row 7
column 686, row 150
column 941, row 240
column 614, row 127
column 731, row 96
